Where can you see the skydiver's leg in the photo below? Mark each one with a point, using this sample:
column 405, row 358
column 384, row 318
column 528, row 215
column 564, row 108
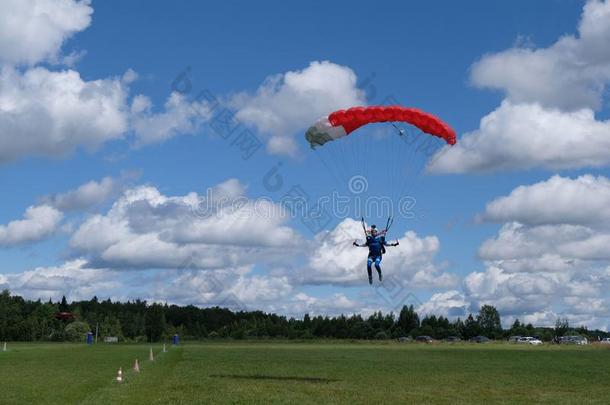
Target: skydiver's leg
column 378, row 267
column 369, row 263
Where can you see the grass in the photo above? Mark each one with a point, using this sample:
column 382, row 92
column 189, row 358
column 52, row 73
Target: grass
column 287, row 372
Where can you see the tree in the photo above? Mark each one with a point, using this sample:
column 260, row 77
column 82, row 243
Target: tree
column 155, row 322
column 63, row 306
column 489, row 322
column 517, row 329
column 76, row 331
column 408, row 319
column 471, row 327
column 562, row 325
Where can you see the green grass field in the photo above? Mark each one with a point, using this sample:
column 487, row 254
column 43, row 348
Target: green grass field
column 317, row 372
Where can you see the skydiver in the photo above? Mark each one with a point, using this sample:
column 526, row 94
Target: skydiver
column 376, row 243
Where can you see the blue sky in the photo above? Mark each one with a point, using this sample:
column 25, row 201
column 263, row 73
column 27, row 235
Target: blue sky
column 105, row 153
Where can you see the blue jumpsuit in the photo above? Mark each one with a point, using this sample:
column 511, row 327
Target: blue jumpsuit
column 376, row 249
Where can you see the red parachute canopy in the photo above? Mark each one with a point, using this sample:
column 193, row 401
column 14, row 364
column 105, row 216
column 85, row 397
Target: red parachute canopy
column 355, row 117
column 340, row 123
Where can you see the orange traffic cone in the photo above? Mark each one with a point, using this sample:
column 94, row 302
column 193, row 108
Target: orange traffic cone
column 136, row 366
column 119, row 377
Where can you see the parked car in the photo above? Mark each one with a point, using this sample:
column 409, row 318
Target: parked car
column 405, row 339
column 605, row 341
column 424, row 339
column 530, row 340
column 514, row 339
column 452, row 339
column 480, row 339
column 573, row 340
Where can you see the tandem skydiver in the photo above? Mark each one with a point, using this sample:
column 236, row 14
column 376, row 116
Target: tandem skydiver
column 376, row 243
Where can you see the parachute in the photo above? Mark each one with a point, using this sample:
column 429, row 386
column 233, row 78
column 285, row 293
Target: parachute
column 342, row 122
column 378, row 169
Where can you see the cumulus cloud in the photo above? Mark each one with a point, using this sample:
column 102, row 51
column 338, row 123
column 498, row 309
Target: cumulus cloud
column 571, row 74
column 334, row 260
column 558, row 200
column 52, row 113
column 548, row 118
column 86, row 195
column 178, row 117
column 72, row 279
column 232, row 287
column 517, row 241
column 451, row 304
column 514, row 293
column 332, row 305
column 524, row 136
column 34, row 31
column 146, row 229
column 559, row 217
column 288, row 103
column 38, row 222
column 544, row 264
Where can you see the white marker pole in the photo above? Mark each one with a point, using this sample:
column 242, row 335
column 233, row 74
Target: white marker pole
column 4, row 347
column 151, row 357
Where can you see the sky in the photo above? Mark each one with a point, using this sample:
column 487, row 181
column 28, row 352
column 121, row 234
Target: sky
column 149, row 149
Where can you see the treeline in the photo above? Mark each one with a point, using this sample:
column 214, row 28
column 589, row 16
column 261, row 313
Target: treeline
column 27, row 320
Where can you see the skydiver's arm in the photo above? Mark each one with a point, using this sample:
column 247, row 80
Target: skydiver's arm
column 359, row 245
column 385, row 243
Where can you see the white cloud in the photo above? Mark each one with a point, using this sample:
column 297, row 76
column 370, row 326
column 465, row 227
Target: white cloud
column 33, row 31
column 238, row 288
column 72, row 279
column 570, row 74
column 516, row 293
column 52, row 113
column 451, row 304
column 178, row 117
column 332, row 305
column 551, row 256
column 557, row 218
column 232, row 287
column 548, row 242
column 86, row 195
column 145, row 229
column 286, row 104
column 558, row 200
column 547, row 119
column 524, row 136
column 38, row 222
